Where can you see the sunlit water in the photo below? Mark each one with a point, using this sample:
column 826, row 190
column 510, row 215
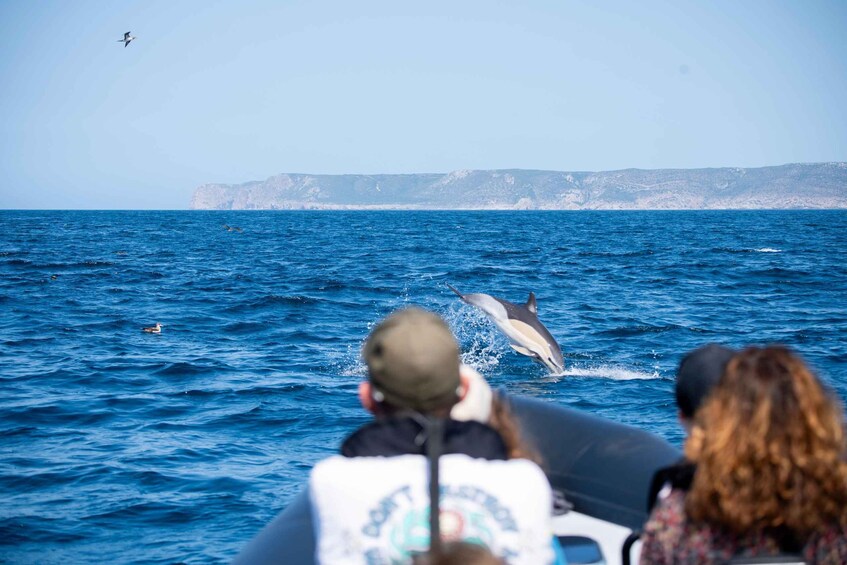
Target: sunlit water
column 123, row 446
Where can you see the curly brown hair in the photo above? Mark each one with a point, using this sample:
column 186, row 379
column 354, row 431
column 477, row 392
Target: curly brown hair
column 769, row 446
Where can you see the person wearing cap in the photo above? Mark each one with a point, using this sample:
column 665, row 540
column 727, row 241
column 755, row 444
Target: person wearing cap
column 697, row 375
column 414, row 370
column 371, row 503
column 771, row 479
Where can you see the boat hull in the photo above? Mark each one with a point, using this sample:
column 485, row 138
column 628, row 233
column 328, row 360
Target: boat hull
column 602, row 467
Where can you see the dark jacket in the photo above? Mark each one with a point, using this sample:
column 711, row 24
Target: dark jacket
column 679, row 476
column 405, row 435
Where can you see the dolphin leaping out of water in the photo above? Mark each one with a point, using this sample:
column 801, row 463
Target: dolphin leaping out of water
column 527, row 335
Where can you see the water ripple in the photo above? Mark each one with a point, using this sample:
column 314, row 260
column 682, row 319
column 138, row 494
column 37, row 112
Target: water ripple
column 130, row 447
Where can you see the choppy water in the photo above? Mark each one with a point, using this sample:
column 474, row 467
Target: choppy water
column 128, row 447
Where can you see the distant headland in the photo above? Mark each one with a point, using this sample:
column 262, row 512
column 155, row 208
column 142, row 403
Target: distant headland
column 803, row 185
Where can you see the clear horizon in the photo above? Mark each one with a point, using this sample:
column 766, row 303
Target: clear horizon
column 234, row 93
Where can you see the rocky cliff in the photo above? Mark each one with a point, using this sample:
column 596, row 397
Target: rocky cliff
column 812, row 185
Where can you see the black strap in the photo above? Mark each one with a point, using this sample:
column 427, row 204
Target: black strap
column 435, row 433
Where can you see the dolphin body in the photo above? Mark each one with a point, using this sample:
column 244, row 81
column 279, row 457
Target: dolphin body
column 527, row 335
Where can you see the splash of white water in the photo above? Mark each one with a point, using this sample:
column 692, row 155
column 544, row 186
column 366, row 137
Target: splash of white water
column 613, row 372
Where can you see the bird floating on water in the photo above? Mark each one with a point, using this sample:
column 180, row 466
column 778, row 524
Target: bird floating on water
column 127, row 38
column 157, row 329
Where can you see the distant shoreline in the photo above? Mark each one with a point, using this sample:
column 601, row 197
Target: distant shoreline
column 786, row 187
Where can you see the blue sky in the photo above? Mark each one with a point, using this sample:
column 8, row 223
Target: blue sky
column 231, row 92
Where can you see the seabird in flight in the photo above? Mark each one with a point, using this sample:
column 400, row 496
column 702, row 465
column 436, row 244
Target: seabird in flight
column 127, row 38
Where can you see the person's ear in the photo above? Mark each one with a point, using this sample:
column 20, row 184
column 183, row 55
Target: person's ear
column 366, row 396
column 464, row 386
column 686, row 423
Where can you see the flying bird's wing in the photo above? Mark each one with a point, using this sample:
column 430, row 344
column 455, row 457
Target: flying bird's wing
column 126, row 35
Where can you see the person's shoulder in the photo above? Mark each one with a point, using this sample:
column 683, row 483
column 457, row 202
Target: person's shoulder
column 468, row 427
column 678, row 476
column 474, row 439
column 667, row 536
column 829, row 545
column 400, row 435
column 325, row 467
column 339, row 474
column 669, row 510
column 383, row 437
column 359, row 437
column 335, row 463
column 521, row 475
column 523, row 466
column 672, row 498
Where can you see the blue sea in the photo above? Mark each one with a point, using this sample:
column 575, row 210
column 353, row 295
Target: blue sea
column 122, row 446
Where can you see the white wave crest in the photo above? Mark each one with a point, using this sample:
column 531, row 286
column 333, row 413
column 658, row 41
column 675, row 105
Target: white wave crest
column 613, row 372
column 768, row 250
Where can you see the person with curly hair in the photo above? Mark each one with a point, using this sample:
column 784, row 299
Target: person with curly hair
column 771, row 475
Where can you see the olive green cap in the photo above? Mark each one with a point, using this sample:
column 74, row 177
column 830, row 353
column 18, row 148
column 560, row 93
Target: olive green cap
column 413, row 361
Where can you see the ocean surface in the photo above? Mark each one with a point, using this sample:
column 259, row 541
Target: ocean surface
column 122, row 446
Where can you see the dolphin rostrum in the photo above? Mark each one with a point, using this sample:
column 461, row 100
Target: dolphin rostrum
column 527, row 335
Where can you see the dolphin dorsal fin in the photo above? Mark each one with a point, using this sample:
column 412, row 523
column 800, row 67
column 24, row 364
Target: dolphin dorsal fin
column 530, row 303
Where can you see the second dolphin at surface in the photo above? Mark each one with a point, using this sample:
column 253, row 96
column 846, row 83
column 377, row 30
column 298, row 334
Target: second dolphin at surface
column 527, row 335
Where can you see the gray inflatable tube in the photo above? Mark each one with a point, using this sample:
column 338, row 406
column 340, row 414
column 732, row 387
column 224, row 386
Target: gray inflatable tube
column 603, row 468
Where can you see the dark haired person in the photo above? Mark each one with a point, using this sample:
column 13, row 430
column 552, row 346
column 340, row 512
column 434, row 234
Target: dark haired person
column 371, row 504
column 698, row 373
column 771, row 477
